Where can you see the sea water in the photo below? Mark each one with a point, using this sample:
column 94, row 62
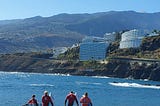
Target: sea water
column 17, row 88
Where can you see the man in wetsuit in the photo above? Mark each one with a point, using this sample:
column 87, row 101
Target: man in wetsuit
column 71, row 97
column 33, row 101
column 85, row 100
column 46, row 99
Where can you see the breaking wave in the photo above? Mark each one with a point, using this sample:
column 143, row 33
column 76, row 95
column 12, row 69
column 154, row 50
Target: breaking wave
column 135, row 85
column 41, row 85
column 88, row 83
column 100, row 77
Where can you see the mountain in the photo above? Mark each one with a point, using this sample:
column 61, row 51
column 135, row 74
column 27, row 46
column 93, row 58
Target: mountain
column 40, row 33
column 117, row 21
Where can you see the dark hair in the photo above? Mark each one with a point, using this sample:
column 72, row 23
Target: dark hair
column 33, row 95
column 71, row 92
column 86, row 94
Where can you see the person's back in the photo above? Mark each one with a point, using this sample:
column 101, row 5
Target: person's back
column 32, row 101
column 71, row 98
column 85, row 100
column 46, row 99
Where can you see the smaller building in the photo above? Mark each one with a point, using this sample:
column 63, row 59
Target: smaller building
column 110, row 37
column 58, row 50
column 132, row 38
column 153, row 34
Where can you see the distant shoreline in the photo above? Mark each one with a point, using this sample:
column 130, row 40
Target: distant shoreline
column 117, row 68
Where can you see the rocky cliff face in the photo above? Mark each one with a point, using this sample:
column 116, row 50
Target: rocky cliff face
column 136, row 70
column 120, row 69
column 150, row 43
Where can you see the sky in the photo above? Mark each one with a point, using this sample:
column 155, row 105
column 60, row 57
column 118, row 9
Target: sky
column 20, row 9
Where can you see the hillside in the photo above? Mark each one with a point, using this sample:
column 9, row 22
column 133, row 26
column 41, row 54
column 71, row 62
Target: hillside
column 116, row 22
column 40, row 33
column 150, row 49
column 67, row 63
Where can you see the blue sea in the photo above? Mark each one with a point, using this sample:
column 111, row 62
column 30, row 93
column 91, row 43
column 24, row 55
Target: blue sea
column 17, row 88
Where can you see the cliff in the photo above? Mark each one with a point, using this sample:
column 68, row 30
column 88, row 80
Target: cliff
column 114, row 68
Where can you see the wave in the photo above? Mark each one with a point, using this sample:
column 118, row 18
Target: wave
column 3, row 72
column 134, row 85
column 18, row 74
column 41, row 85
column 51, row 74
column 24, row 73
column 88, row 83
column 59, row 74
column 100, row 77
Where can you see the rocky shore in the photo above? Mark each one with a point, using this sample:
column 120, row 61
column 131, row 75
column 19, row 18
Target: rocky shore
column 113, row 68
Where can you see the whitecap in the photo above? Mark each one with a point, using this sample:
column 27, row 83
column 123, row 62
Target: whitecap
column 27, row 73
column 41, row 85
column 52, row 74
column 59, row 74
column 18, row 74
column 88, row 83
column 100, row 77
column 134, row 85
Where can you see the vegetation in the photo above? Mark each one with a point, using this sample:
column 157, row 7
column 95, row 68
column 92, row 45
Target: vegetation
column 70, row 54
column 150, row 48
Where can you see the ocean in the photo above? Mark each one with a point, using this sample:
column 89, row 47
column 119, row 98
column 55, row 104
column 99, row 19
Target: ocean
column 17, row 88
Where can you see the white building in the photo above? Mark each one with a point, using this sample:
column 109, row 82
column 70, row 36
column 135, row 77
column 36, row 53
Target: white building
column 132, row 38
column 153, row 34
column 110, row 37
column 59, row 50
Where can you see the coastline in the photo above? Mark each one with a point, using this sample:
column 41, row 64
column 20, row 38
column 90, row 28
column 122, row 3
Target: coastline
column 116, row 69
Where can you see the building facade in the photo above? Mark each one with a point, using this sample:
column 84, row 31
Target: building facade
column 110, row 37
column 93, row 48
column 132, row 38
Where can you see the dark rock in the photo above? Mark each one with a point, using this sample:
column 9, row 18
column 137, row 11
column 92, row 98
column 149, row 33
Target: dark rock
column 155, row 74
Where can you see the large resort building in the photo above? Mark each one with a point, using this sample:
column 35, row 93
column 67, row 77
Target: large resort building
column 94, row 48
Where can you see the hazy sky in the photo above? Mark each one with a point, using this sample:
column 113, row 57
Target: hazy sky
column 18, row 9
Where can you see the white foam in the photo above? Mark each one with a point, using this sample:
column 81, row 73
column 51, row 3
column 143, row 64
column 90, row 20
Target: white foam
column 27, row 73
column 59, row 74
column 41, row 85
column 100, row 77
column 88, row 83
column 134, row 85
column 3, row 72
column 51, row 74
column 146, row 80
column 18, row 74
